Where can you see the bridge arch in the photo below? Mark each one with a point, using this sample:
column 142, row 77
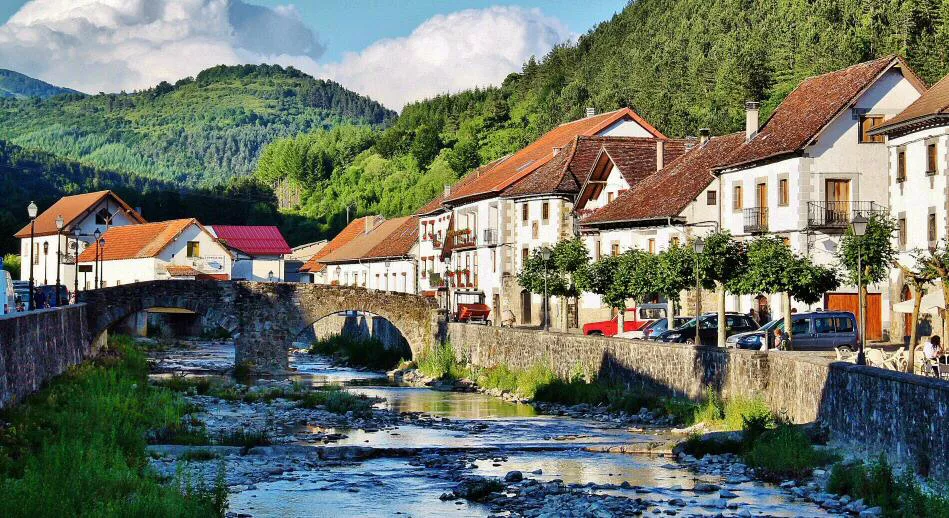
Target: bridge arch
column 264, row 317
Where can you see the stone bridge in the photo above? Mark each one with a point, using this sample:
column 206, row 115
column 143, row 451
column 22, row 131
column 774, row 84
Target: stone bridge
column 263, row 317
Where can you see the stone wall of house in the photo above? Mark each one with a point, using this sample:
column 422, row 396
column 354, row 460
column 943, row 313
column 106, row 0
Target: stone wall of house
column 903, row 416
column 36, row 346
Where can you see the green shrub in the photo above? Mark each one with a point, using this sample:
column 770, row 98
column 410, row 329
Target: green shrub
column 439, row 362
column 198, row 455
column 877, row 485
column 244, row 438
column 243, row 371
column 358, row 352
column 784, row 452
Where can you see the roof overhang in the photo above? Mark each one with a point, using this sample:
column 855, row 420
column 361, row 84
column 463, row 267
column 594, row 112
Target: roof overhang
column 933, row 120
column 652, row 221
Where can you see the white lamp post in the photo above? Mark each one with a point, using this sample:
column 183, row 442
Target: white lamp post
column 859, row 227
column 32, row 210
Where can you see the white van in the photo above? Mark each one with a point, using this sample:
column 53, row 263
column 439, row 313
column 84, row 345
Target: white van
column 7, row 296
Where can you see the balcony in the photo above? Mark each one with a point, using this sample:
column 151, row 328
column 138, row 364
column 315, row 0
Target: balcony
column 756, row 220
column 464, row 238
column 491, row 237
column 837, row 215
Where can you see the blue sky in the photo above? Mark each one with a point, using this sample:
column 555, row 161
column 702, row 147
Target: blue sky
column 395, row 51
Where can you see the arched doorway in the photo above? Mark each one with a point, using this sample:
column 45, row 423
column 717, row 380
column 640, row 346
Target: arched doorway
column 907, row 294
column 526, row 307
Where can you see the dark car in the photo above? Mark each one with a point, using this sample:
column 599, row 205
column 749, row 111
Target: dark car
column 708, row 328
column 814, row 331
column 49, row 295
column 652, row 331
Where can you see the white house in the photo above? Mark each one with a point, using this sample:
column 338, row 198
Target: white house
column 313, row 270
column 383, row 257
column 663, row 209
column 811, row 166
column 258, row 251
column 482, row 223
column 918, row 140
column 82, row 215
column 176, row 249
column 297, row 257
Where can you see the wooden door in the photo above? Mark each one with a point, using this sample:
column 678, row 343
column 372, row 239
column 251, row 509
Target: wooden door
column 849, row 302
column 525, row 307
column 837, row 196
column 761, row 195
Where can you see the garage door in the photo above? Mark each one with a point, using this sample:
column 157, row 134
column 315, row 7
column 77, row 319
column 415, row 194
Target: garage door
column 849, row 302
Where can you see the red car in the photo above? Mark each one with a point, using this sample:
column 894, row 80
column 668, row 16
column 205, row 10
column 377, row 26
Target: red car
column 635, row 319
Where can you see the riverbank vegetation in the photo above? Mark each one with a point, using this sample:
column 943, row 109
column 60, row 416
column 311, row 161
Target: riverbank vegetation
column 877, row 484
column 370, row 352
column 77, row 447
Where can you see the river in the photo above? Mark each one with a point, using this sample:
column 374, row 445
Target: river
column 406, row 466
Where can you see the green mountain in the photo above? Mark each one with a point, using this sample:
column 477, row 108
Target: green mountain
column 14, row 85
column 199, row 131
column 682, row 64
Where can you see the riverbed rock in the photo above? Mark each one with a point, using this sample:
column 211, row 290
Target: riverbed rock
column 513, row 476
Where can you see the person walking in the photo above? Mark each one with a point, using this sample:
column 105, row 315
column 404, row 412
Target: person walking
column 932, row 350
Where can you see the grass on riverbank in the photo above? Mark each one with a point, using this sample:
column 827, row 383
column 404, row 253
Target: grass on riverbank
column 77, row 448
column 439, row 362
column 877, row 484
column 370, row 353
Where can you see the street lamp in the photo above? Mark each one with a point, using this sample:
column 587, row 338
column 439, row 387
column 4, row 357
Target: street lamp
column 859, row 227
column 31, row 210
column 102, row 263
column 95, row 263
column 45, row 263
column 339, row 275
column 59, row 253
column 387, row 264
column 270, row 276
column 75, row 259
column 545, row 256
column 699, row 246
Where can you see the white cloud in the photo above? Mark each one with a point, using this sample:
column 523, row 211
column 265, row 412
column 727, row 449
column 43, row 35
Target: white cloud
column 112, row 45
column 448, row 53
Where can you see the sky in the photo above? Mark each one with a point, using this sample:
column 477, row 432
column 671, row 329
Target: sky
column 395, row 51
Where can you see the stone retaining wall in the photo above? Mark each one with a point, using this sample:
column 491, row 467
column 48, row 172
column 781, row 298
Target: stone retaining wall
column 873, row 410
column 36, row 346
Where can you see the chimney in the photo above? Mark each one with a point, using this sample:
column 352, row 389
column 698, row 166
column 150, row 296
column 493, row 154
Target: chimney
column 557, row 150
column 660, row 159
column 447, row 190
column 751, row 119
column 371, row 223
column 591, row 111
column 704, row 136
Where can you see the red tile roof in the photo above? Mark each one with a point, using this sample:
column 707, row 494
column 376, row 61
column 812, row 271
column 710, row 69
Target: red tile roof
column 388, row 236
column 668, row 192
column 436, row 204
column 508, row 171
column 72, row 209
column 399, row 242
column 354, row 229
column 176, row 270
column 138, row 241
column 252, row 240
column 933, row 103
column 811, row 106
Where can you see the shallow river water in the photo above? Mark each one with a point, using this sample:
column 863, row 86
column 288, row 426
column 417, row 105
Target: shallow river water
column 544, row 448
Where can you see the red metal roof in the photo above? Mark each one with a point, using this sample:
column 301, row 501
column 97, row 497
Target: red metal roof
column 252, row 240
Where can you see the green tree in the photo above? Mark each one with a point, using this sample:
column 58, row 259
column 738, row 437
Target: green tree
column 11, row 263
column 934, row 263
column 722, row 265
column 917, row 276
column 874, row 252
column 564, row 277
column 675, row 272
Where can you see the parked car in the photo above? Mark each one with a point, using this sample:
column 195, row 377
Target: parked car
column 708, row 328
column 7, row 294
column 812, row 331
column 635, row 319
column 49, row 294
column 22, row 291
column 653, row 329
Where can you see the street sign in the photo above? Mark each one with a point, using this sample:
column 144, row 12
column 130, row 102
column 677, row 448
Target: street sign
column 85, row 268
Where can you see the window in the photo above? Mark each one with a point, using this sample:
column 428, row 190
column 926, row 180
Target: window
column 597, row 250
column 36, row 253
column 609, row 197
column 614, row 248
column 652, row 246
column 535, row 230
column 800, row 326
column 103, row 217
column 823, row 325
column 737, row 202
column 901, row 166
column 525, row 213
column 545, row 211
column 931, row 158
column 194, row 249
column 494, row 260
column 843, row 324
column 783, row 194
column 931, row 227
column 867, row 123
column 901, row 232
column 711, row 197
column 525, row 255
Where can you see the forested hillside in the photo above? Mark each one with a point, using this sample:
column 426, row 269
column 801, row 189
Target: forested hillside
column 19, row 86
column 682, row 64
column 199, row 131
column 41, row 177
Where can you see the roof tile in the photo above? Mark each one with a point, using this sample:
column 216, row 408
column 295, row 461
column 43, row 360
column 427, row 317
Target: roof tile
column 72, row 208
column 137, row 241
column 252, row 240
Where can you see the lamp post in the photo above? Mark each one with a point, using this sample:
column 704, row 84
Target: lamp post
column 31, row 210
column 75, row 256
column 445, row 281
column 545, row 256
column 339, row 275
column 859, row 227
column 102, row 263
column 95, row 263
column 59, row 254
column 387, row 264
column 45, row 263
column 699, row 246
column 270, row 276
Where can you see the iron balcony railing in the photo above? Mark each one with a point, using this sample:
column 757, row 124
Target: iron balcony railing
column 838, row 214
column 490, row 236
column 756, row 220
column 465, row 239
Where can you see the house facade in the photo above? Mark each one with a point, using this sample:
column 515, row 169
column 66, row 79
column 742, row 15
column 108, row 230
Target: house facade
column 314, row 270
column 918, row 194
column 82, row 215
column 383, row 257
column 259, row 251
column 176, row 249
column 813, row 165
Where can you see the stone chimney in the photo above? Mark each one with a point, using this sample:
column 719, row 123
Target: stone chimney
column 751, row 119
column 371, row 223
column 591, row 111
column 660, row 151
column 704, row 136
column 447, row 190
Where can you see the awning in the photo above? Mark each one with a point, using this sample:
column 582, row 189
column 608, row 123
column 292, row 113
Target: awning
column 932, row 302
